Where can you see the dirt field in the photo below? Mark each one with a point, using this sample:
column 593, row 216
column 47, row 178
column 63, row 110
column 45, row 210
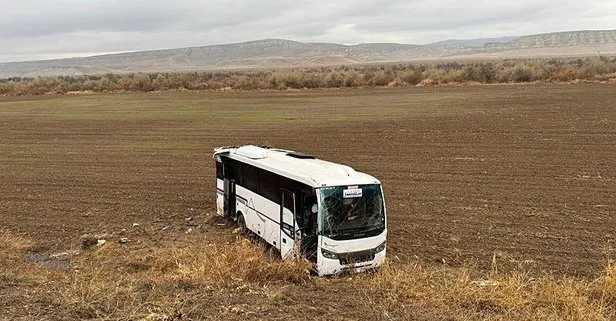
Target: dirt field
column 526, row 174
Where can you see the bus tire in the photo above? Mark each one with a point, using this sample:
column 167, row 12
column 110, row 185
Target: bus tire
column 242, row 224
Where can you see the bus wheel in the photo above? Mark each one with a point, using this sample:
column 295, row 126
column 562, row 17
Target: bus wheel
column 242, row 223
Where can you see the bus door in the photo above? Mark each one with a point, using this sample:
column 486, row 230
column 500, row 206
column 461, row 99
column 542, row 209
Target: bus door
column 308, row 220
column 229, row 190
column 287, row 223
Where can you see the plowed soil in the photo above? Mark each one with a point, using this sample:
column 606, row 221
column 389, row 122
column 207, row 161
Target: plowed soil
column 522, row 174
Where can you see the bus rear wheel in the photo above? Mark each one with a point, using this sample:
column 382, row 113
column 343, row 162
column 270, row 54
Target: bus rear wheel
column 242, row 224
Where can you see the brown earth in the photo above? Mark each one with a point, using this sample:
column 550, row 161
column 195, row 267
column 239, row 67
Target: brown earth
column 523, row 174
column 527, row 171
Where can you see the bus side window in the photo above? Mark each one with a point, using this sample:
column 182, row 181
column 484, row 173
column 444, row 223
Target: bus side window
column 248, row 177
column 286, row 221
column 268, row 186
column 227, row 169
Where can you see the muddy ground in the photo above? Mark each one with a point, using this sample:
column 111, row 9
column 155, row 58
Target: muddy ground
column 523, row 174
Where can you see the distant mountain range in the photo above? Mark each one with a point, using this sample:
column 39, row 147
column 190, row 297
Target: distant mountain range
column 285, row 53
column 472, row 42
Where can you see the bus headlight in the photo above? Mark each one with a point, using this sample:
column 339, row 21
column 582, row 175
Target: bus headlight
column 380, row 248
column 329, row 254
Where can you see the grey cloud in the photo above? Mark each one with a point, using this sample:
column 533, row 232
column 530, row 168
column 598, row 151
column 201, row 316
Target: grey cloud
column 127, row 16
column 42, row 28
column 425, row 17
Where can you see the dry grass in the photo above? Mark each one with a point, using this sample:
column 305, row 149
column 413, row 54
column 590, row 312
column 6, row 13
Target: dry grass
column 109, row 283
column 10, row 244
column 396, row 292
column 113, row 282
column 214, row 281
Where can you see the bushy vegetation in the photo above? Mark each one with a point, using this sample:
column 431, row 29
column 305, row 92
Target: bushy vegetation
column 401, row 74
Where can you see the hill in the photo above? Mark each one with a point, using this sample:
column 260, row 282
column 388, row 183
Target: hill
column 573, row 43
column 286, row 53
column 472, row 42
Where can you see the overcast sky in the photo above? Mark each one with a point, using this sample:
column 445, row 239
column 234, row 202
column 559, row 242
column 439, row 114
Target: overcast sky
column 44, row 29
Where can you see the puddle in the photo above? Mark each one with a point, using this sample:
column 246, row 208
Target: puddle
column 54, row 260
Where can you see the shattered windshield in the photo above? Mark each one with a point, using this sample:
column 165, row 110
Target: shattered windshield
column 351, row 210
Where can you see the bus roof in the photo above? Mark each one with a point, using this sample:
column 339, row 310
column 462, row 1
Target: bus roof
column 300, row 167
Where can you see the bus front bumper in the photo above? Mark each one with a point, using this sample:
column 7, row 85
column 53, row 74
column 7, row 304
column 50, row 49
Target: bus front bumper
column 330, row 266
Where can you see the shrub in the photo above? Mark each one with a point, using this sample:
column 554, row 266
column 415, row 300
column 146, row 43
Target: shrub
column 593, row 67
column 334, row 79
column 412, row 77
column 381, row 78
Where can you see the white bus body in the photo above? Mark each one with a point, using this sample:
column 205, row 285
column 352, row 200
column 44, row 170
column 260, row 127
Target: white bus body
column 273, row 192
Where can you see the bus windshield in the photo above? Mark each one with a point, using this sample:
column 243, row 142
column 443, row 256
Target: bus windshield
column 348, row 212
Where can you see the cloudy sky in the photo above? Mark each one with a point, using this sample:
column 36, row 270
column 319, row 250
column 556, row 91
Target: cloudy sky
column 44, row 29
